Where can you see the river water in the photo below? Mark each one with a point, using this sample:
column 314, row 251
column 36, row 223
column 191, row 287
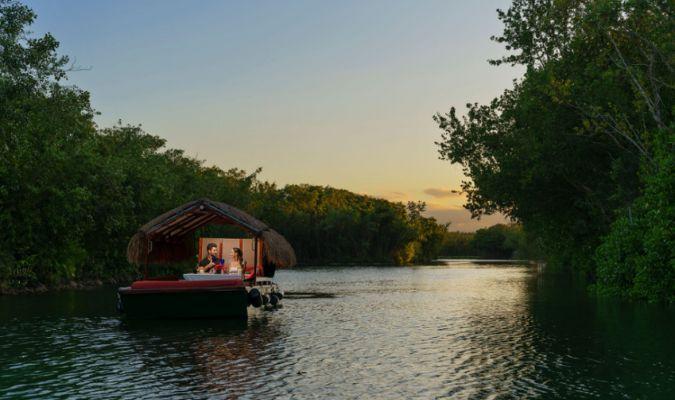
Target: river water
column 462, row 331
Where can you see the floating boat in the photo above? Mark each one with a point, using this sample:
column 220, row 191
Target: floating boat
column 169, row 238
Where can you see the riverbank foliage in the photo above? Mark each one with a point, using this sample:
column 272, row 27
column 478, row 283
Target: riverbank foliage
column 498, row 242
column 72, row 193
column 580, row 150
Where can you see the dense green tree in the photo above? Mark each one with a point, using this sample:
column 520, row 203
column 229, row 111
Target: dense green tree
column 428, row 233
column 72, row 194
column 457, row 244
column 498, row 241
column 492, row 242
column 327, row 224
column 637, row 257
column 573, row 144
column 45, row 132
column 503, row 242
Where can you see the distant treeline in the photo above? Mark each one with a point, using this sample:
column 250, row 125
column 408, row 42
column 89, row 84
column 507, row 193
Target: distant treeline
column 581, row 150
column 498, row 241
column 72, row 194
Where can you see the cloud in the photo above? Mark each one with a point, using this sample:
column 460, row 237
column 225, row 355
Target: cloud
column 442, row 193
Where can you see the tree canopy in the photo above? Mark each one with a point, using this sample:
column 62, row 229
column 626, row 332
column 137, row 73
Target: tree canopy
column 72, row 193
column 580, row 149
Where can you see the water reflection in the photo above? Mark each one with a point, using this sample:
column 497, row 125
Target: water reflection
column 598, row 346
column 463, row 331
column 496, row 355
column 209, row 356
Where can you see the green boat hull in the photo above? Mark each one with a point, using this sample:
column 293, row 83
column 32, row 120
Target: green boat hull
column 203, row 303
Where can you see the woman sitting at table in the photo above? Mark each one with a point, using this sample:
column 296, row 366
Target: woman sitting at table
column 237, row 265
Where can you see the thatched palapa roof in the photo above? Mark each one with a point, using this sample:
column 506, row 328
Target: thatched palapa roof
column 168, row 237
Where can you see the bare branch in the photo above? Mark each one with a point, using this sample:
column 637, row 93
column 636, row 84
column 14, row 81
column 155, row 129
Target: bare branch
column 653, row 107
column 73, row 67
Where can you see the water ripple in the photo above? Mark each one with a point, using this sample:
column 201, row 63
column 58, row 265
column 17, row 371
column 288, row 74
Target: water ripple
column 460, row 333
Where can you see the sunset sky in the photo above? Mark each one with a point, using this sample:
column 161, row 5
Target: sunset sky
column 327, row 93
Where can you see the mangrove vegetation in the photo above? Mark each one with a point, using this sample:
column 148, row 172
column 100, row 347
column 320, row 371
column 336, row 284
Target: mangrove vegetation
column 578, row 154
column 580, row 149
column 73, row 193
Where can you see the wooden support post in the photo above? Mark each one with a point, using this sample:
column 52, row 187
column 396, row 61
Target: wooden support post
column 147, row 255
column 255, row 257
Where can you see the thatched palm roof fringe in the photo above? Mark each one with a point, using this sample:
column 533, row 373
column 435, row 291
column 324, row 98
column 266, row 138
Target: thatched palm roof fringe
column 163, row 239
column 275, row 249
column 137, row 249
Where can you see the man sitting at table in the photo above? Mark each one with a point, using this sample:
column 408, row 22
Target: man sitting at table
column 209, row 263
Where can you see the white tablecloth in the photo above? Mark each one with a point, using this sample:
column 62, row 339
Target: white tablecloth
column 210, row 277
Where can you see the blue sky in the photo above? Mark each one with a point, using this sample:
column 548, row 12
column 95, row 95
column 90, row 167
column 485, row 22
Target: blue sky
column 329, row 93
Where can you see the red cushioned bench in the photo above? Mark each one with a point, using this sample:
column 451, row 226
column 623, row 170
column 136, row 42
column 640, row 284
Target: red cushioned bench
column 184, row 284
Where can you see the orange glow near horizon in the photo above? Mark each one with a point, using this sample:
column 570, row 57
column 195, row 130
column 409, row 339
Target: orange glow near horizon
column 324, row 93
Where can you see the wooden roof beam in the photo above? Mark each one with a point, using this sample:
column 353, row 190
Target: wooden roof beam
column 170, row 225
column 192, row 224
